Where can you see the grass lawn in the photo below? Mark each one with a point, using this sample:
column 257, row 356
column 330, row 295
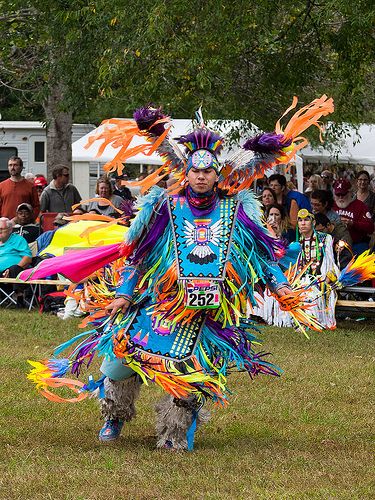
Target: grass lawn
column 308, row 434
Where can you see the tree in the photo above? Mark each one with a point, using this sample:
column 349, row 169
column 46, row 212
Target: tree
column 246, row 59
column 51, row 58
column 240, row 59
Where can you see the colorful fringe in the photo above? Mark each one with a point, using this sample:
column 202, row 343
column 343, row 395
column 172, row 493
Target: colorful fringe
column 358, row 270
column 203, row 375
column 225, row 342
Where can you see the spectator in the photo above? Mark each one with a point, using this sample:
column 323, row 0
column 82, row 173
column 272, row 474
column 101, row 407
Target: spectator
column 105, row 192
column 322, row 202
column 268, row 197
column 364, row 192
column 17, row 190
column 293, row 201
column 60, row 195
column 342, row 241
column 354, row 214
column 314, row 182
column 327, row 180
column 24, row 223
column 278, row 222
column 40, row 183
column 120, row 190
column 141, row 176
column 15, row 255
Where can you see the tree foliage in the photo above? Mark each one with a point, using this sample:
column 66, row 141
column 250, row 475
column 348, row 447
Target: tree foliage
column 240, row 59
column 246, row 59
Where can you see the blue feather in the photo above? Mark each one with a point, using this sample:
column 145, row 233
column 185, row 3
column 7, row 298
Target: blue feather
column 146, row 204
column 59, row 367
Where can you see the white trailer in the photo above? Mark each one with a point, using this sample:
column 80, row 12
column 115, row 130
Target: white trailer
column 27, row 139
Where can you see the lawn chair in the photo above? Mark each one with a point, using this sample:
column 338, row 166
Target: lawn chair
column 46, row 221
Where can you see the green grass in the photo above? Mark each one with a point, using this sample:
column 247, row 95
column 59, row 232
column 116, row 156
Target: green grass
column 308, row 434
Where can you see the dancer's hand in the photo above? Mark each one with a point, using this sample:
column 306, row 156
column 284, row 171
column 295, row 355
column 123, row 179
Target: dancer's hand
column 117, row 304
column 284, row 290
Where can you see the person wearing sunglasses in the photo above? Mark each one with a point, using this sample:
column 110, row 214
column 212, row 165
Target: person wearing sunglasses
column 327, row 180
column 354, row 214
column 60, row 194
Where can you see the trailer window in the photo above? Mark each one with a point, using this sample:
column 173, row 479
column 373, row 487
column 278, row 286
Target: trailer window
column 5, row 154
column 39, row 153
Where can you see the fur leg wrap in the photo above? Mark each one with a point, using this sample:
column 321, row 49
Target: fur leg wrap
column 120, row 397
column 173, row 419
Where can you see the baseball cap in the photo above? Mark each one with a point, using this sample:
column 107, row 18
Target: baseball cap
column 122, row 176
column 24, row 206
column 342, row 186
column 40, row 182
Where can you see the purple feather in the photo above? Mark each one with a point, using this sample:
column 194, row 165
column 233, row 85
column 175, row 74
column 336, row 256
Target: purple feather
column 201, row 138
column 147, row 116
column 267, row 143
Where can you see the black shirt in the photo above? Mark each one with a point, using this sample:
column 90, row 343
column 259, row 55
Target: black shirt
column 29, row 231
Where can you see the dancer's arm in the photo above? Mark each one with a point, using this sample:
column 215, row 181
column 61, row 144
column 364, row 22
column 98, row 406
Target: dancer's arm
column 124, row 292
column 276, row 279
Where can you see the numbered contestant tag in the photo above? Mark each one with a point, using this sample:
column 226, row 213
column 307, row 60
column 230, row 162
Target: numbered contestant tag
column 202, row 295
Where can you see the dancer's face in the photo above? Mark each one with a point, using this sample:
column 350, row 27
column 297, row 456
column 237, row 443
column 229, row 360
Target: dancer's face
column 305, row 227
column 202, row 181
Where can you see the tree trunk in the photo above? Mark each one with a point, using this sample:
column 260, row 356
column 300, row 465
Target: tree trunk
column 59, row 132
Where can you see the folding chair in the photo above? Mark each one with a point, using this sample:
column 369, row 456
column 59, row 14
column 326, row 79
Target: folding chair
column 46, row 221
column 8, row 298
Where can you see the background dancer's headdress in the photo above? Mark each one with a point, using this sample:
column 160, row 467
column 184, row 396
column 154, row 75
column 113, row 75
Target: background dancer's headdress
column 203, row 145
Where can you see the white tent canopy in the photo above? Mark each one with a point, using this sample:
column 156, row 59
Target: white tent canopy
column 82, row 157
column 358, row 147
column 86, row 160
column 180, row 127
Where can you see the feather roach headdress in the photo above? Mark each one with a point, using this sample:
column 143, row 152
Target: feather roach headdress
column 202, row 146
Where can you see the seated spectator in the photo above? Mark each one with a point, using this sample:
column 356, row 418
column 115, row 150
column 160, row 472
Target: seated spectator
column 293, row 201
column 354, row 214
column 342, row 241
column 24, row 223
column 327, row 180
column 314, row 182
column 278, row 222
column 120, row 190
column 105, row 192
column 268, row 198
column 364, row 192
column 15, row 255
column 322, row 202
